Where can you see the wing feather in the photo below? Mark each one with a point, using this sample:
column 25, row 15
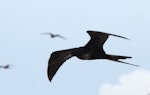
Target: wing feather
column 56, row 60
column 98, row 38
column 60, row 36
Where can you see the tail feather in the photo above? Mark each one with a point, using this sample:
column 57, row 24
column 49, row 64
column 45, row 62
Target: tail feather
column 117, row 57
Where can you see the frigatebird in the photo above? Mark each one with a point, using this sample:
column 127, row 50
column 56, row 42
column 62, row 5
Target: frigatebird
column 54, row 35
column 5, row 66
column 92, row 50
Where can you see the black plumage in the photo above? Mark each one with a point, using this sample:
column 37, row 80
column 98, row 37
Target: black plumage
column 92, row 50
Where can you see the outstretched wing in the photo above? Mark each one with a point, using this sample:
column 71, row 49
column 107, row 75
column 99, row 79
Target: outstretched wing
column 57, row 35
column 98, row 38
column 50, row 34
column 56, row 60
column 46, row 33
column 1, row 66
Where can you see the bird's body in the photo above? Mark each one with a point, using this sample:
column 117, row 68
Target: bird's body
column 92, row 50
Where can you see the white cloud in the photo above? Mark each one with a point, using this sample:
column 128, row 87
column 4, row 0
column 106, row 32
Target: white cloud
column 134, row 83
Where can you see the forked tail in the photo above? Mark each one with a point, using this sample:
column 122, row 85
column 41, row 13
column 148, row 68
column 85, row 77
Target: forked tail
column 117, row 57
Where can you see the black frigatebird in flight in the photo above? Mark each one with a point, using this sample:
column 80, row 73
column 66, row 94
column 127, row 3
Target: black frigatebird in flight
column 54, row 35
column 92, row 50
column 5, row 66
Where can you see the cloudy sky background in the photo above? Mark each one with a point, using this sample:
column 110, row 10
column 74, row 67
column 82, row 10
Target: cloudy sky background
column 23, row 46
column 136, row 83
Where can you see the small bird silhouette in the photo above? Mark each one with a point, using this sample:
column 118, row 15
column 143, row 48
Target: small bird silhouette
column 5, row 66
column 54, row 35
column 92, row 50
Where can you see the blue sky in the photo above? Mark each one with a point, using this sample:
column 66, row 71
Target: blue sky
column 22, row 22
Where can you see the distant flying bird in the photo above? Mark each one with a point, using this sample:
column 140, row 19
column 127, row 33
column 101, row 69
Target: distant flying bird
column 5, row 66
column 54, row 35
column 92, row 50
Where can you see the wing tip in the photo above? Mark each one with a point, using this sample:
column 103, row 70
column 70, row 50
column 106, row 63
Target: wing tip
column 120, row 36
column 50, row 78
column 92, row 31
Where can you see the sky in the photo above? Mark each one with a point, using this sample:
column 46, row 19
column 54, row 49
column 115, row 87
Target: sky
column 23, row 46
